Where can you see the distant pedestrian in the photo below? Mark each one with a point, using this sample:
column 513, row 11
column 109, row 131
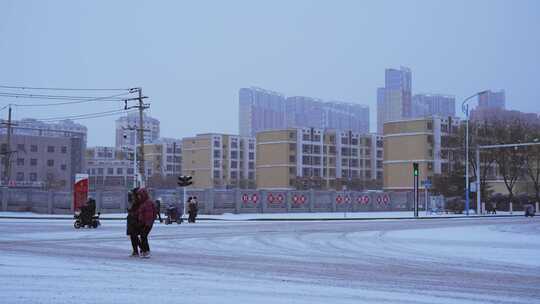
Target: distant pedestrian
column 146, row 215
column 133, row 228
column 193, row 208
column 493, row 208
column 158, row 209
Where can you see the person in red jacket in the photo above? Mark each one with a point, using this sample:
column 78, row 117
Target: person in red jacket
column 146, row 215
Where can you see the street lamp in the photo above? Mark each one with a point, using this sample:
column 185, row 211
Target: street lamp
column 465, row 109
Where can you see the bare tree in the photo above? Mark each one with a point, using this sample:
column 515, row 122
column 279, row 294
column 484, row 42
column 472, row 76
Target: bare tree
column 532, row 162
column 480, row 133
column 511, row 161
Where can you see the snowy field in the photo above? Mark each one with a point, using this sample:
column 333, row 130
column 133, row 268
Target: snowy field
column 476, row 260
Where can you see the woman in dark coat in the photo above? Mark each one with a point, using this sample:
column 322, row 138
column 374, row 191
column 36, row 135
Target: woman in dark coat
column 133, row 226
column 146, row 215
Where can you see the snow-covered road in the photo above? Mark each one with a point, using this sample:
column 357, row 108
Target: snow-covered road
column 490, row 260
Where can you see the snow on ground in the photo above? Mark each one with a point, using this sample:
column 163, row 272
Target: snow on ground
column 280, row 216
column 482, row 260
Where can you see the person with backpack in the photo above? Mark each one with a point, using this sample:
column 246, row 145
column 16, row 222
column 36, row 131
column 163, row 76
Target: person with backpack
column 146, row 216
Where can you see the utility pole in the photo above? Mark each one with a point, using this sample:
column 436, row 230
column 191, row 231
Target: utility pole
column 141, row 138
column 141, row 107
column 7, row 153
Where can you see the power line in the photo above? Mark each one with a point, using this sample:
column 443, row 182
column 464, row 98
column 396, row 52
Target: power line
column 82, row 115
column 105, row 98
column 59, row 89
column 63, row 97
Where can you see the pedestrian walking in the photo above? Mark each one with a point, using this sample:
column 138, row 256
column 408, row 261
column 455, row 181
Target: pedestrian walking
column 132, row 222
column 146, row 216
column 193, row 208
column 158, row 209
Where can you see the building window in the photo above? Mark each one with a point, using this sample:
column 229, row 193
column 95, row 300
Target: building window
column 251, row 175
column 100, row 171
column 63, row 167
column 251, row 156
column 292, row 158
column 33, row 161
column 33, row 177
column 292, row 135
column 234, row 154
column 430, row 125
column 217, row 164
column 50, row 149
column 292, row 147
column 217, row 175
column 234, row 164
column 119, row 171
column 292, row 170
column 20, row 176
column 251, row 165
column 20, row 161
column 64, row 150
column 33, row 148
column 217, row 154
column 217, row 144
column 234, row 175
column 50, row 162
column 130, row 171
column 20, row 147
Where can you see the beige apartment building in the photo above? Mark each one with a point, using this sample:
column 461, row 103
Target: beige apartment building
column 219, row 160
column 316, row 158
column 430, row 141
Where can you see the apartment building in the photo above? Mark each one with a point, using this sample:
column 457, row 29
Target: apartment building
column 394, row 100
column 219, row 160
column 111, row 168
column 41, row 162
column 432, row 142
column 127, row 135
column 263, row 110
column 317, row 158
column 43, row 155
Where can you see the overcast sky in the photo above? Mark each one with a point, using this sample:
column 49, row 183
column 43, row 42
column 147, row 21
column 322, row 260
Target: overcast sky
column 192, row 57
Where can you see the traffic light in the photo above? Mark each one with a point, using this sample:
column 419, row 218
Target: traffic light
column 185, row 180
column 416, row 172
